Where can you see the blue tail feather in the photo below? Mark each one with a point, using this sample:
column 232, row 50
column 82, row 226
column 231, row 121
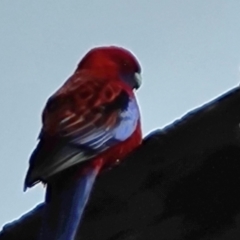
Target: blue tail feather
column 65, row 203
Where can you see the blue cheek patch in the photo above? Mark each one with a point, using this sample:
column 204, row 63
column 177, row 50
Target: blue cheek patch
column 128, row 121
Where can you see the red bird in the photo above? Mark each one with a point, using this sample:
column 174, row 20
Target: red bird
column 92, row 121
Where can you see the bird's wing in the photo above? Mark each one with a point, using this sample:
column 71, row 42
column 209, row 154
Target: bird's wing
column 84, row 118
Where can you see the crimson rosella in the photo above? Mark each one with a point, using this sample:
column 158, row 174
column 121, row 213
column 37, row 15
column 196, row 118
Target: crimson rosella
column 90, row 123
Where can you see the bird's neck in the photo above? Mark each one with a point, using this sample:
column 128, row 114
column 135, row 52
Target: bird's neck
column 65, row 203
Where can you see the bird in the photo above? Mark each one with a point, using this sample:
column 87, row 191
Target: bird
column 89, row 124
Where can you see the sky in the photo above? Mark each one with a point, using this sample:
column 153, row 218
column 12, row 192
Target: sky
column 189, row 52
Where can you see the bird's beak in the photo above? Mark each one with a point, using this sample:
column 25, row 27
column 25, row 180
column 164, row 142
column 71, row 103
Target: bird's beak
column 138, row 80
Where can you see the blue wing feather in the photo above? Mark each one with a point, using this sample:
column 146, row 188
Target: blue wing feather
column 127, row 123
column 53, row 155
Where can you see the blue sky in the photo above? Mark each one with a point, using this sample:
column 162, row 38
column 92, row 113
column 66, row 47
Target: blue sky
column 189, row 51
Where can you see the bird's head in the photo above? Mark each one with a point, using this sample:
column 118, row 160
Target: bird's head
column 114, row 60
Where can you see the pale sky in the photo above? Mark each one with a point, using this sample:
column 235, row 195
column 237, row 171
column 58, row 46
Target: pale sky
column 189, row 51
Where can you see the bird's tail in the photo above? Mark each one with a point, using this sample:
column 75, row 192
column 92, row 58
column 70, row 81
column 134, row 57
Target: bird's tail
column 65, row 203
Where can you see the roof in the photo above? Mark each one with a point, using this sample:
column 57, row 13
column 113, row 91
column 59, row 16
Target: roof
column 182, row 183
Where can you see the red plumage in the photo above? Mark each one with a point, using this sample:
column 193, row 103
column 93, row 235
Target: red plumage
column 89, row 103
